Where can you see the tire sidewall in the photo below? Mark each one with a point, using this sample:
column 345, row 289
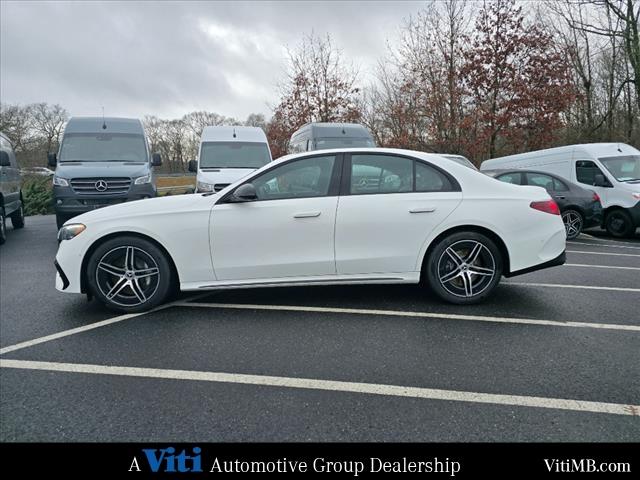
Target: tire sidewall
column 3, row 226
column 571, row 210
column 166, row 272
column 17, row 217
column 627, row 220
column 436, row 252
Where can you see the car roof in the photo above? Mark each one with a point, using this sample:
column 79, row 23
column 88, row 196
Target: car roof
column 97, row 125
column 231, row 133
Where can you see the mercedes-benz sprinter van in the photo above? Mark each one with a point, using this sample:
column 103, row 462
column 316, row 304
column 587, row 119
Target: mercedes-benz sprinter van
column 612, row 170
column 228, row 153
column 101, row 162
column 322, row 136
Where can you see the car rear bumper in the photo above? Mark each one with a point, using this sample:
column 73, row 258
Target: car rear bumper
column 559, row 260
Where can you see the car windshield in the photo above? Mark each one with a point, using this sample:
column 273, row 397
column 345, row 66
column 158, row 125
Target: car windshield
column 343, row 142
column 103, row 147
column 625, row 168
column 234, row 155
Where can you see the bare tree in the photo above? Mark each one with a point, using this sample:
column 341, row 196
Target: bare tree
column 48, row 121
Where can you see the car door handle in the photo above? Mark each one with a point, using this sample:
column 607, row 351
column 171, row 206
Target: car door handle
column 306, row 215
column 422, row 210
column 561, row 197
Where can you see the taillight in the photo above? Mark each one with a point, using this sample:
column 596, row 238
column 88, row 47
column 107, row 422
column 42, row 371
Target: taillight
column 596, row 197
column 548, row 206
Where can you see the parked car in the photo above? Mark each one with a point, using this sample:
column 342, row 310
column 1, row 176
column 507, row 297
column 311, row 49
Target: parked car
column 321, row 136
column 39, row 171
column 612, row 170
column 11, row 200
column 580, row 207
column 462, row 160
column 101, row 162
column 228, row 153
column 330, row 217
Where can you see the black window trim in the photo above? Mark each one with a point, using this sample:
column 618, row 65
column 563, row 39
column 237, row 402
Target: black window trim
column 345, row 184
column 334, row 183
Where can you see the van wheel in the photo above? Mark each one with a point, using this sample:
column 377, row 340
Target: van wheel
column 572, row 223
column 619, row 224
column 464, row 267
column 17, row 218
column 129, row 274
column 3, row 227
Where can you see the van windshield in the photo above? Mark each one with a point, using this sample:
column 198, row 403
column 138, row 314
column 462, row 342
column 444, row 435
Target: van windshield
column 625, row 168
column 234, row 155
column 343, row 142
column 103, row 147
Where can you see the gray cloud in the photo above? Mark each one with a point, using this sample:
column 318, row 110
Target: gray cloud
column 169, row 58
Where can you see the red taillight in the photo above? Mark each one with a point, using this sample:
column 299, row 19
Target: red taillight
column 596, row 197
column 548, row 206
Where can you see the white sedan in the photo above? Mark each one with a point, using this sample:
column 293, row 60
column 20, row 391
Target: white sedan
column 344, row 216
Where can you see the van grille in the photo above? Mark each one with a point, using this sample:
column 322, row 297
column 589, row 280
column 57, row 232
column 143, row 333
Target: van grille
column 100, row 186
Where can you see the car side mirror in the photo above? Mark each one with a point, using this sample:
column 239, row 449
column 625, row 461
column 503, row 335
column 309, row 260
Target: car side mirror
column 4, row 159
column 245, row 193
column 156, row 160
column 193, row 166
column 52, row 159
column 600, row 181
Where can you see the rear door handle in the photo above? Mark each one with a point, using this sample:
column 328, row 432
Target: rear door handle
column 306, row 215
column 422, row 210
column 561, row 197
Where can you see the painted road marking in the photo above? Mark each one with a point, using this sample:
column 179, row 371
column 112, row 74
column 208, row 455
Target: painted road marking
column 605, row 253
column 331, row 386
column 601, row 245
column 599, row 239
column 586, row 287
column 400, row 313
column 600, row 266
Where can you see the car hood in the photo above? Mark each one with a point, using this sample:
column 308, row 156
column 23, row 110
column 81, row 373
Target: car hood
column 101, row 169
column 148, row 206
column 630, row 187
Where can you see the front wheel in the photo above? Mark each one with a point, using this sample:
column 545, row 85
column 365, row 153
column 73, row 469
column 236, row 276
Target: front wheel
column 464, row 267
column 619, row 224
column 129, row 274
column 572, row 223
column 17, row 218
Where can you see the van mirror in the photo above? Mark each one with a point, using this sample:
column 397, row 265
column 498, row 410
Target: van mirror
column 4, row 159
column 52, row 159
column 193, row 166
column 156, row 160
column 600, row 181
column 245, row 193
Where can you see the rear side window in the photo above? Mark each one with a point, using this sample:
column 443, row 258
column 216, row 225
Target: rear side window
column 381, row 174
column 586, row 171
column 428, row 179
column 559, row 186
column 540, row 180
column 514, row 178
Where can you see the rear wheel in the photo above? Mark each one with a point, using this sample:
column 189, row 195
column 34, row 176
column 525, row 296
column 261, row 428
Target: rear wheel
column 464, row 267
column 573, row 223
column 129, row 274
column 3, row 227
column 619, row 224
column 17, row 218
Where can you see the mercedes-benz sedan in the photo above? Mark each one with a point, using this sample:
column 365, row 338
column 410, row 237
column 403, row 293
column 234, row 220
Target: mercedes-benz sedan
column 346, row 216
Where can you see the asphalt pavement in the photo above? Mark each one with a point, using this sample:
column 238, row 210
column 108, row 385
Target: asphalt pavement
column 551, row 356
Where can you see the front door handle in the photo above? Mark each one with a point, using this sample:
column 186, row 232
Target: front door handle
column 422, row 210
column 306, row 215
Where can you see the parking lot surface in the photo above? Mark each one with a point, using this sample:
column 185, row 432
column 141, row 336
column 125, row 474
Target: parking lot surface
column 551, row 356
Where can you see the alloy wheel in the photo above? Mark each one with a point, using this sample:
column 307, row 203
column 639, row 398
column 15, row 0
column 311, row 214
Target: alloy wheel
column 572, row 223
column 466, row 268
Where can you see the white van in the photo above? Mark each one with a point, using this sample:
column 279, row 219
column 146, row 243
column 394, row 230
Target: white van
column 610, row 169
column 228, row 153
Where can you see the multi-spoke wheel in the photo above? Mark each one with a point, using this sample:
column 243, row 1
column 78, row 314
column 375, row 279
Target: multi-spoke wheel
column 464, row 267
column 129, row 274
column 572, row 223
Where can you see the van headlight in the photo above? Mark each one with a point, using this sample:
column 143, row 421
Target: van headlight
column 205, row 187
column 70, row 231
column 60, row 182
column 143, row 180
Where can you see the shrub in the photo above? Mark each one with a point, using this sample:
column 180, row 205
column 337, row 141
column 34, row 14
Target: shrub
column 37, row 193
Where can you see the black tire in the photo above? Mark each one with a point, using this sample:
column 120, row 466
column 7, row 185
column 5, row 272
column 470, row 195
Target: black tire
column 3, row 227
column 117, row 286
column 17, row 218
column 60, row 219
column 619, row 224
column 478, row 272
column 573, row 223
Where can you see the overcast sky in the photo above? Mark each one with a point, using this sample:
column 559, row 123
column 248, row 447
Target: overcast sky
column 167, row 59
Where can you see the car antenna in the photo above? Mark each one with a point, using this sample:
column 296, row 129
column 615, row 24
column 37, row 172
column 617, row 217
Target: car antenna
column 234, row 133
column 104, row 124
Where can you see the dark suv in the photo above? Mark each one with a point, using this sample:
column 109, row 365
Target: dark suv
column 10, row 189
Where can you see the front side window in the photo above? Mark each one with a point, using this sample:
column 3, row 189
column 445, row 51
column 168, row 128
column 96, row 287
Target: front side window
column 309, row 177
column 380, row 174
column 586, row 171
column 513, row 178
column 540, row 180
column 624, row 168
column 234, row 155
column 103, row 147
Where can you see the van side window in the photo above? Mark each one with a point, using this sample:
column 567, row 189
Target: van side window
column 586, row 171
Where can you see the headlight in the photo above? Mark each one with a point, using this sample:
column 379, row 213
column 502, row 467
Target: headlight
column 60, row 182
column 142, row 180
column 70, row 231
column 205, row 187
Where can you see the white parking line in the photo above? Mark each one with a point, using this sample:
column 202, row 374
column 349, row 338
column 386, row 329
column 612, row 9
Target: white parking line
column 400, row 313
column 605, row 253
column 585, row 287
column 609, row 240
column 600, row 266
column 572, row 242
column 331, row 386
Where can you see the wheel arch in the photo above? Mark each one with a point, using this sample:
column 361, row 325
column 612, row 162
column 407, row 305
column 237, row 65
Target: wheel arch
column 110, row 236
column 504, row 252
